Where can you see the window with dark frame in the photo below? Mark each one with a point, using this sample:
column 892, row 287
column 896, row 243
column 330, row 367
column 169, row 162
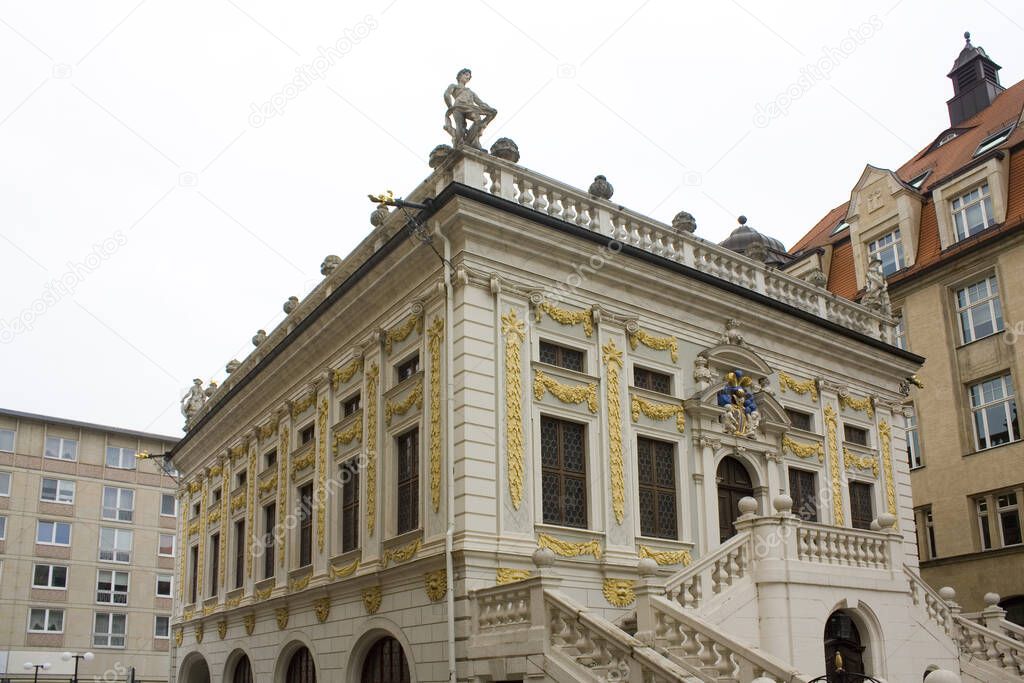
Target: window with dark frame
column 983, row 524
column 239, row 553
column 306, row 525
column 214, row 564
column 306, row 434
column 656, row 464
column 1009, row 518
column 563, row 472
column 407, row 368
column 351, row 405
column 799, row 419
column 929, row 527
column 861, row 505
column 270, row 459
column 804, row 492
column 651, row 380
column 855, row 435
column 408, row 501
column 193, row 563
column 349, row 505
column 562, row 356
column 241, row 478
column 269, row 521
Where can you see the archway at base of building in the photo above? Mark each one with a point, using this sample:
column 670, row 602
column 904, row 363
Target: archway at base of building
column 195, row 670
column 1014, row 606
column 301, row 668
column 734, row 482
column 242, row 673
column 385, row 663
column 844, row 648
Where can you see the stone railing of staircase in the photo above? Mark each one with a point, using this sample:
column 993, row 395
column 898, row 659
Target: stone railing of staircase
column 713, row 574
column 571, row 205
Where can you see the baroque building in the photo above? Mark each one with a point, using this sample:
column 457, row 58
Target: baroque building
column 948, row 229
column 87, row 548
column 523, row 433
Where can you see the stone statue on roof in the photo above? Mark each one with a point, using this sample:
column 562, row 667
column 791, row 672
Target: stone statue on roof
column 467, row 115
column 876, row 289
column 193, row 400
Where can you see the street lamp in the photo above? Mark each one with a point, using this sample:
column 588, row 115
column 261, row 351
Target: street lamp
column 44, row 666
column 68, row 656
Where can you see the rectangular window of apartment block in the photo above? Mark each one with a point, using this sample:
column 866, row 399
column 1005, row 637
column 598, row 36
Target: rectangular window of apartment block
column 656, row 464
column 53, row 533
column 269, row 521
column 929, row 529
column 861, row 505
column 58, row 448
column 50, row 576
column 407, row 368
column 800, row 420
column 350, row 405
column 162, row 626
column 857, row 435
column 562, row 356
column 803, row 489
column 3, row 528
column 115, row 545
column 214, row 565
column 889, row 250
column 972, row 212
column 165, row 546
column 164, row 585
column 995, row 412
column 306, row 525
column 109, row 629
column 45, row 620
column 407, row 448
column 978, row 309
column 118, row 504
column 168, row 505
column 349, row 505
column 7, row 440
column 306, row 434
column 5, row 484
column 913, row 439
column 112, row 587
column 1009, row 518
column 121, row 458
column 57, row 491
column 654, row 381
column 193, row 575
column 563, row 472
column 239, row 553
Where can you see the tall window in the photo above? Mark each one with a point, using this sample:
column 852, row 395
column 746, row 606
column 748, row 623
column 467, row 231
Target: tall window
column 563, row 472
column 122, row 458
column 7, row 440
column 193, row 563
column 913, row 439
column 562, row 356
column 109, row 629
column 983, row 524
column 168, row 505
column 995, row 412
column 214, row 564
column 239, row 553
column 306, row 525
column 5, row 484
column 162, row 626
column 654, row 381
column 1009, row 518
column 118, row 503
column 60, row 449
column 408, row 493
column 3, row 529
column 53, row 533
column 57, row 491
column 50, row 576
column 656, row 462
column 929, row 532
column 269, row 521
column 115, row 545
column 804, row 492
column 972, row 212
column 349, row 505
column 861, row 505
column 979, row 310
column 112, row 587
column 889, row 250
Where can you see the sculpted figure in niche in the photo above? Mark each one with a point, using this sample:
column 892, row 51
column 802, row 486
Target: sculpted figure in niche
column 467, row 114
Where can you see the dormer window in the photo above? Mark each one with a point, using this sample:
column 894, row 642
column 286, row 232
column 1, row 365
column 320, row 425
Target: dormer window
column 918, row 181
column 889, row 250
column 947, row 137
column 972, row 212
column 843, row 225
column 993, row 141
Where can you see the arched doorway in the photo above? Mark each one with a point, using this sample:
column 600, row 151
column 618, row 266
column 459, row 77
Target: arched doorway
column 385, row 663
column 1014, row 607
column 194, row 670
column 243, row 671
column 301, row 668
column 842, row 638
column 734, row 483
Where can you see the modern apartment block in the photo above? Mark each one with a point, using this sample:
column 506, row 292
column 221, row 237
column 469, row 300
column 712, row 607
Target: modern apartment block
column 87, row 548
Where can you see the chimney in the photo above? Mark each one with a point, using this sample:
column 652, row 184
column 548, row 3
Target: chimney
column 975, row 83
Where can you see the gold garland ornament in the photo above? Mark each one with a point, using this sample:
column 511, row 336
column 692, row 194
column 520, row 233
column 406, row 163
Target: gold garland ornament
column 302, row 405
column 263, row 594
column 372, row 599
column 515, row 333
column 804, row 450
column 612, row 358
column 569, row 549
column 342, row 571
column 282, row 489
column 299, row 584
column 864, row 405
column 401, row 332
column 343, row 438
column 250, row 510
column 833, row 445
column 436, row 585
column 507, row 576
column 436, row 336
column 667, row 557
column 302, row 463
column 371, row 449
column 885, row 435
column 670, row 343
column 564, row 392
column 392, row 408
column 321, row 484
column 269, row 485
column 344, row 374
column 854, row 461
column 401, row 554
column 657, row 411
column 809, row 386
column 619, row 592
column 564, row 316
column 238, row 501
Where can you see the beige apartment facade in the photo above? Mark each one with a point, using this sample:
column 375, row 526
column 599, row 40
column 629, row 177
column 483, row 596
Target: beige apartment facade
column 87, row 548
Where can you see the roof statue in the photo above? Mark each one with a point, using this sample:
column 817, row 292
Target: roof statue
column 193, row 400
column 467, row 115
column 876, row 289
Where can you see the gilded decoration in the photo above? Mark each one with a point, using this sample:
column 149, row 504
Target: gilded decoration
column 238, row 501
column 213, row 517
column 263, row 594
column 612, row 358
column 657, row 411
column 436, row 584
column 401, row 332
column 222, row 628
column 342, row 571
column 199, row 632
column 194, row 487
column 885, row 435
column 619, row 592
column 182, row 555
column 216, row 470
column 249, row 620
column 322, row 609
column 299, row 584
column 854, row 461
column 833, row 445
column 436, row 336
column 179, row 635
column 202, row 536
column 741, row 416
column 187, row 614
column 371, row 599
column 302, row 463
column 515, row 333
column 564, row 392
column 564, row 316
column 667, row 557
column 222, row 564
column 193, row 527
column 268, row 430
column 233, row 602
column 371, row 449
column 281, row 615
column 354, row 432
column 808, row 386
column 282, row 489
column 670, row 343
column 209, row 609
column 345, row 373
column 568, row 548
column 401, row 554
column 236, row 452
column 269, row 484
column 303, row 404
column 506, row 576
column 321, row 480
column 802, row 450
column 864, row 405
column 392, row 408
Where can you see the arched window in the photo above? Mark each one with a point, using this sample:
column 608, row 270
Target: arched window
column 734, row 483
column 843, row 646
column 301, row 668
column 385, row 663
column 243, row 671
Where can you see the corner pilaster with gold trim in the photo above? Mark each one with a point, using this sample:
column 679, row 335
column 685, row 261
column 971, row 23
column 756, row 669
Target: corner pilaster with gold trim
column 835, row 505
column 321, row 473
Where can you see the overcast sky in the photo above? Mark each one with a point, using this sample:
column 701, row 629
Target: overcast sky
column 153, row 216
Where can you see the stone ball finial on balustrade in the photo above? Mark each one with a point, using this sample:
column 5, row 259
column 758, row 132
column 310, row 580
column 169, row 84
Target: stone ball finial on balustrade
column 507, row 149
column 783, row 504
column 886, row 521
column 947, row 593
column 647, row 567
column 942, row 676
column 747, row 506
column 684, row 222
column 601, row 188
column 991, row 600
column 438, row 155
column 544, row 558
